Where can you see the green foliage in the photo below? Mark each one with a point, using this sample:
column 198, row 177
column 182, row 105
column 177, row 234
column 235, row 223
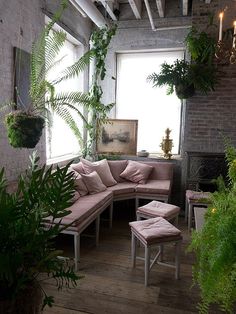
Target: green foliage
column 24, row 130
column 215, row 245
column 184, row 74
column 26, row 241
column 44, row 99
column 201, row 46
column 100, row 40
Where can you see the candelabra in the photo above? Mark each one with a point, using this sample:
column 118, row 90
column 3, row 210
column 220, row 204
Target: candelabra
column 167, row 144
column 226, row 53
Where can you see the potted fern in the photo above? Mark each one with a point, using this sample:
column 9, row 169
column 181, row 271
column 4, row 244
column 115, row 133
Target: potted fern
column 215, row 245
column 26, row 243
column 24, row 126
column 184, row 78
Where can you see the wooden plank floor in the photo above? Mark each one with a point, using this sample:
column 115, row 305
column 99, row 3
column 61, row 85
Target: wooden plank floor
column 110, row 285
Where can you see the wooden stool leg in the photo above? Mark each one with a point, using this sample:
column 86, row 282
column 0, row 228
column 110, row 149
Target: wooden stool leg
column 147, row 264
column 161, row 248
column 133, row 250
column 77, row 250
column 177, row 259
column 190, row 215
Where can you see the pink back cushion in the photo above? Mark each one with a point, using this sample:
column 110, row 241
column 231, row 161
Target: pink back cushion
column 75, row 197
column 93, row 182
column 116, row 167
column 80, row 185
column 136, row 172
column 78, row 167
column 161, row 170
column 102, row 169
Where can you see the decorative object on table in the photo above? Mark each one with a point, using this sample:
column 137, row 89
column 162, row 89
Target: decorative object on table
column 215, row 245
column 226, row 48
column 167, row 144
column 36, row 98
column 118, row 137
column 27, row 251
column 143, row 153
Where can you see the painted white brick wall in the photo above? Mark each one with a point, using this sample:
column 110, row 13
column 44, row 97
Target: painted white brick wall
column 20, row 23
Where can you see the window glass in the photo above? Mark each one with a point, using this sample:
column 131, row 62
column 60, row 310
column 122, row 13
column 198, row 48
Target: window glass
column 137, row 99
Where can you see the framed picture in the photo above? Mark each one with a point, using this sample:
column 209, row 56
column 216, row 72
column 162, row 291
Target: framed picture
column 118, row 137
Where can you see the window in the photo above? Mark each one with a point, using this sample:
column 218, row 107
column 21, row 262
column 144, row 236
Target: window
column 61, row 141
column 137, row 99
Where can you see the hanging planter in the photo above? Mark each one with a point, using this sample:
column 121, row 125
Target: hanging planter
column 184, row 91
column 24, row 130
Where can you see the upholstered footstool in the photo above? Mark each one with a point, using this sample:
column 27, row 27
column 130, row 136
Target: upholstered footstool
column 155, row 233
column 158, row 209
column 193, row 199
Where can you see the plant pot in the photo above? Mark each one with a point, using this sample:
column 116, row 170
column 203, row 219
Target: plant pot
column 184, row 91
column 24, row 130
column 27, row 301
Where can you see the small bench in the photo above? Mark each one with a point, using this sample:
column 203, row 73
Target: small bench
column 152, row 233
column 158, row 209
column 193, row 199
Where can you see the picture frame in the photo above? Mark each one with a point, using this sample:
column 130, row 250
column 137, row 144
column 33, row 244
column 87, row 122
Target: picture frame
column 118, row 136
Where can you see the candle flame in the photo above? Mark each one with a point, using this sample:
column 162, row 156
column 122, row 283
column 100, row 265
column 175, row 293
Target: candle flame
column 234, row 23
column 221, row 15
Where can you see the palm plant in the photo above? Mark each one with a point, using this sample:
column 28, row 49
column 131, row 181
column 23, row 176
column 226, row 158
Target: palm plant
column 43, row 98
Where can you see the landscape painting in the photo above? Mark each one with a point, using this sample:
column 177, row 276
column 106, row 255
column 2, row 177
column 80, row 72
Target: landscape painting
column 118, row 136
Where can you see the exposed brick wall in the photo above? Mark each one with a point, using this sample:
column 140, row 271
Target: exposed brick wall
column 21, row 22
column 207, row 116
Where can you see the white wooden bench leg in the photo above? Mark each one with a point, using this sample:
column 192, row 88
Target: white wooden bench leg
column 77, row 250
column 136, row 203
column 147, row 264
column 186, row 210
column 97, row 229
column 133, row 250
column 110, row 215
column 177, row 259
column 190, row 216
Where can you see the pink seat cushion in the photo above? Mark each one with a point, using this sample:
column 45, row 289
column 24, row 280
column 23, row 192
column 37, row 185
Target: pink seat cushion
column 159, row 209
column 154, row 186
column 198, row 196
column 123, row 188
column 102, row 168
column 155, row 230
column 93, row 182
column 78, row 167
column 116, row 167
column 136, row 172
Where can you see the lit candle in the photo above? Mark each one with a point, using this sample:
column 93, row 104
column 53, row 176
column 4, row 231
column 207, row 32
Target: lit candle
column 234, row 38
column 221, row 24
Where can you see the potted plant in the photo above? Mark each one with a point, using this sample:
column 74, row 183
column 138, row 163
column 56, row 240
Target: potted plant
column 24, row 126
column 184, row 78
column 215, row 245
column 27, row 242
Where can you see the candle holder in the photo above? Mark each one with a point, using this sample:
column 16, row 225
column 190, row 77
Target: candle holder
column 224, row 54
column 167, row 144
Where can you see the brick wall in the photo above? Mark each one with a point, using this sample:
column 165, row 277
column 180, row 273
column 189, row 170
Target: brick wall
column 21, row 22
column 207, row 116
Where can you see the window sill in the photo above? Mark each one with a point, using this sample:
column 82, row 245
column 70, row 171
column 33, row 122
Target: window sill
column 61, row 161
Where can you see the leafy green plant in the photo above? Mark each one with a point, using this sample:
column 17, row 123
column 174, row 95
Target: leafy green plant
column 100, row 40
column 184, row 78
column 43, row 99
column 201, row 46
column 27, row 241
column 215, row 245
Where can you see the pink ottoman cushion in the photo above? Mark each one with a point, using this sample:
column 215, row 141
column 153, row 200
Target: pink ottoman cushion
column 198, row 196
column 155, row 230
column 159, row 209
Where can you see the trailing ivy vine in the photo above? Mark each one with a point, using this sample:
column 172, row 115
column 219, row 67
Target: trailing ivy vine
column 100, row 40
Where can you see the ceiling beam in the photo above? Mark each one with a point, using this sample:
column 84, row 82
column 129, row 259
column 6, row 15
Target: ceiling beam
column 161, row 7
column 136, row 6
column 185, row 7
column 109, row 6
